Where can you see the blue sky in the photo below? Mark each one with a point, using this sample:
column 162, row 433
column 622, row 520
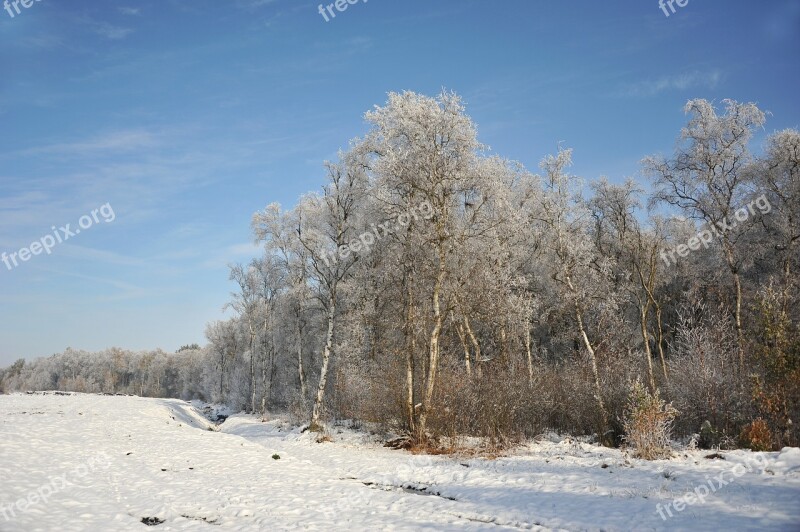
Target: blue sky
column 188, row 116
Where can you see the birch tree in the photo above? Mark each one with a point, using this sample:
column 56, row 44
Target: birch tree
column 282, row 232
column 327, row 228
column 426, row 151
column 634, row 249
column 246, row 304
column 777, row 176
column 707, row 179
column 269, row 280
column 581, row 274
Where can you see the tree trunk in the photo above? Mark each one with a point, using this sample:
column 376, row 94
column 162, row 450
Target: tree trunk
column 660, row 342
column 221, row 374
column 266, row 372
column 433, row 354
column 411, row 346
column 252, row 371
column 301, row 372
column 595, row 371
column 739, row 332
column 463, row 337
column 265, row 392
column 529, row 353
column 316, row 415
column 646, row 339
column 737, row 283
column 475, row 345
column 649, row 287
column 504, row 344
column 787, row 277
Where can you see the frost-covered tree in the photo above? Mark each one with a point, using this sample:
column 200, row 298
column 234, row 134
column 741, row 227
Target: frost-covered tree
column 427, row 151
column 582, row 275
column 327, row 228
column 707, row 179
column 778, row 177
column 441, row 291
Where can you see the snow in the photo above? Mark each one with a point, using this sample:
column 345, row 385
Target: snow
column 106, row 462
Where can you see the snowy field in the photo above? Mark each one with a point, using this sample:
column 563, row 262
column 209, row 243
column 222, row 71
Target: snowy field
column 86, row 462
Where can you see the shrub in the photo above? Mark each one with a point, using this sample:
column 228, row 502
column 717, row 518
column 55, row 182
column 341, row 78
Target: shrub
column 756, row 436
column 776, row 385
column 705, row 383
column 648, row 423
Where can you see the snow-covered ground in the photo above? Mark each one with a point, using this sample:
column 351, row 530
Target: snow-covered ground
column 88, row 462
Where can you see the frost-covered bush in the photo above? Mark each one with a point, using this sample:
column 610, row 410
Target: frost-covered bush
column 705, row 381
column 648, row 423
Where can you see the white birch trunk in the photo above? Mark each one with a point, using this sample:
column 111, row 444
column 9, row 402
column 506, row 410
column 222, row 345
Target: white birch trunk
column 316, row 415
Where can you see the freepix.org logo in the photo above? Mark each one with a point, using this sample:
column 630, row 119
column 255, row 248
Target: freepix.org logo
column 663, row 4
column 59, row 236
column 366, row 240
column 340, row 6
column 12, row 6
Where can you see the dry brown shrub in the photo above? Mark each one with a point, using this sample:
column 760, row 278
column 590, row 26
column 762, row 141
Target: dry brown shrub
column 648, row 423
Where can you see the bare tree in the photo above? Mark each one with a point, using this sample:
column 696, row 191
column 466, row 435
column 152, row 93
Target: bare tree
column 426, row 151
column 578, row 269
column 270, row 282
column 327, row 226
column 246, row 304
column 283, row 232
column 778, row 176
column 706, row 179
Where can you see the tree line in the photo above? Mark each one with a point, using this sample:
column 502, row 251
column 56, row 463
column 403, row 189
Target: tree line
column 441, row 291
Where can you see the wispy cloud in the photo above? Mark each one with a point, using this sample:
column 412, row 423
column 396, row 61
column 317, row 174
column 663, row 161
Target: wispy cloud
column 112, row 32
column 125, row 290
column 678, row 82
column 116, row 141
column 43, row 41
column 362, row 43
column 130, row 11
column 253, row 4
